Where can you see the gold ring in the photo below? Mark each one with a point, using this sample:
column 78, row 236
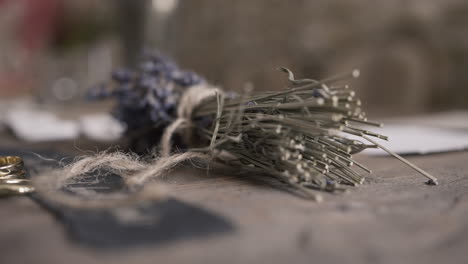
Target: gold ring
column 14, row 181
column 11, row 167
column 13, row 177
column 12, row 174
column 15, row 189
column 9, row 162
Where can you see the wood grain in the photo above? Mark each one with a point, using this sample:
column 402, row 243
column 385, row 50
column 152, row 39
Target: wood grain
column 393, row 218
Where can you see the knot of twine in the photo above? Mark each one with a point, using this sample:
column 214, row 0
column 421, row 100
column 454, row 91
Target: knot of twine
column 190, row 100
column 130, row 168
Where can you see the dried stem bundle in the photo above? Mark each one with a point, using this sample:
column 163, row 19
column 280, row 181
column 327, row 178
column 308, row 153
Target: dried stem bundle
column 299, row 135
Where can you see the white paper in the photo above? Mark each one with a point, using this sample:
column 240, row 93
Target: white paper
column 30, row 122
column 410, row 139
column 101, row 127
column 35, row 125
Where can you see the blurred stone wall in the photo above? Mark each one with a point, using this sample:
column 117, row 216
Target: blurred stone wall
column 413, row 55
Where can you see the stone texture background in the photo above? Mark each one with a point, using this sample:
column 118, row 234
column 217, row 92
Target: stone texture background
column 413, row 54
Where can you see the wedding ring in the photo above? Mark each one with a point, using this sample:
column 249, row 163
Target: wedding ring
column 13, row 177
column 15, row 189
column 14, row 181
column 11, row 166
column 8, row 162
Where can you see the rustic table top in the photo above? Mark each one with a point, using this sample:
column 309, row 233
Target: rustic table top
column 393, row 218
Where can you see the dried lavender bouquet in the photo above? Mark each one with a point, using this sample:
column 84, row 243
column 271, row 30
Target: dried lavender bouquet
column 299, row 135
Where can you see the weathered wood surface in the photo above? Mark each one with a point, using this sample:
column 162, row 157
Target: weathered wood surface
column 393, row 218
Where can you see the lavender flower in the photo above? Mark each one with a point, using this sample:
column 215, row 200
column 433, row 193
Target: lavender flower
column 146, row 97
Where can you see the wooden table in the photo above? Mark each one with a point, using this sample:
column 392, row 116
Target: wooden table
column 393, row 218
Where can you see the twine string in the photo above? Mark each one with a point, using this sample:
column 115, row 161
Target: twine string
column 135, row 173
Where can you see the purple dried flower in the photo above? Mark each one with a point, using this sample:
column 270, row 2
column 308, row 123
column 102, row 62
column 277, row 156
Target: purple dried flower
column 98, row 92
column 147, row 97
column 122, row 75
column 187, row 79
column 316, row 93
